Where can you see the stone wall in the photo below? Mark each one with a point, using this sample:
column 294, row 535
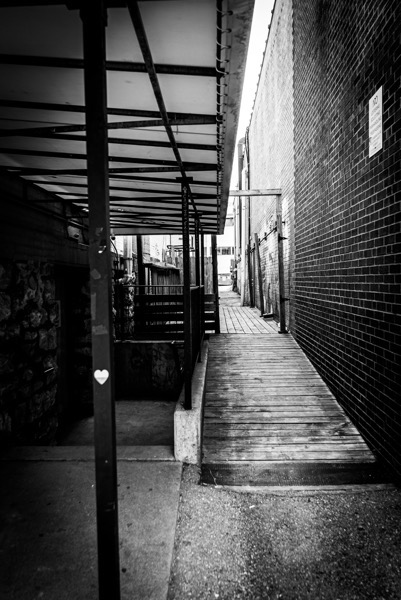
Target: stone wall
column 45, row 355
column 29, row 317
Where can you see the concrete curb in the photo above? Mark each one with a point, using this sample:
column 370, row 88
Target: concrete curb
column 188, row 423
column 86, row 454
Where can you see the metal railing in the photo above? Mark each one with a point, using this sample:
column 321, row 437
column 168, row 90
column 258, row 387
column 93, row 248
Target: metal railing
column 157, row 289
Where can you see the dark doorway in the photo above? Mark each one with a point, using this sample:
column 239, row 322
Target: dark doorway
column 74, row 347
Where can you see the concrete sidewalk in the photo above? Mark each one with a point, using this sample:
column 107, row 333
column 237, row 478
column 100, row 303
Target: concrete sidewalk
column 48, row 544
column 181, row 540
column 287, row 543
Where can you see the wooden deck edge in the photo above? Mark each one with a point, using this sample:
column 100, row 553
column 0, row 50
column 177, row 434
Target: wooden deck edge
column 265, row 473
column 311, row 490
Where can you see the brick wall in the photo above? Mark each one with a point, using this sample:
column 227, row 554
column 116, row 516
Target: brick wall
column 271, row 156
column 347, row 222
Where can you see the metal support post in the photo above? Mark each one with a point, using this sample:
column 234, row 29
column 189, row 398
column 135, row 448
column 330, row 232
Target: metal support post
column 250, row 276
column 187, row 297
column 259, row 275
column 243, row 253
column 197, row 254
column 198, row 283
column 280, row 257
column 94, row 22
column 141, row 267
column 202, row 270
column 202, row 259
column 216, row 283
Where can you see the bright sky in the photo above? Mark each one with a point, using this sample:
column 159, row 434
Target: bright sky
column 259, row 33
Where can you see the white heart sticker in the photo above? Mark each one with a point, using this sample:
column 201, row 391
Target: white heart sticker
column 101, row 376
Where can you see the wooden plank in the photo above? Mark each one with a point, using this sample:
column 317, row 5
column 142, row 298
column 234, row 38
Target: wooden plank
column 330, row 425
column 286, row 411
column 242, row 324
column 285, row 390
column 263, row 438
column 265, row 380
column 285, row 431
column 229, row 323
column 260, row 444
column 251, row 386
column 269, row 404
column 277, row 455
column 265, row 401
column 259, row 397
column 267, row 419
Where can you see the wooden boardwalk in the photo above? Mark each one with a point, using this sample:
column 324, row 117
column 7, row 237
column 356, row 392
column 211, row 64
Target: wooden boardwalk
column 269, row 417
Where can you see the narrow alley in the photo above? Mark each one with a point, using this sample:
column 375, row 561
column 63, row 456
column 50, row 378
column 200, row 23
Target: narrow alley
column 200, row 325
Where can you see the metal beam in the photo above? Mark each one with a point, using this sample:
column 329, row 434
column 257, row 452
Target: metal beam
column 111, row 65
column 55, row 131
column 123, row 189
column 133, row 179
column 115, row 170
column 121, row 200
column 121, row 141
column 153, row 207
column 246, row 193
column 127, row 112
column 145, row 228
column 151, row 199
column 78, row 156
column 197, row 183
column 93, row 19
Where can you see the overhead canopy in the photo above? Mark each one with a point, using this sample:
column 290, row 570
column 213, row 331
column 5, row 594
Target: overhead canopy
column 174, row 79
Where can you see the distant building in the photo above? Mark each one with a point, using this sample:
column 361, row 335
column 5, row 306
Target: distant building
column 225, row 249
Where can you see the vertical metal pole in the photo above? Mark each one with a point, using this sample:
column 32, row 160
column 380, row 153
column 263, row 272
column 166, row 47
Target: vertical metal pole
column 243, row 253
column 202, row 259
column 141, row 268
column 198, row 283
column 197, row 254
column 187, row 298
column 259, row 272
column 202, row 271
column 250, row 275
column 280, row 258
column 94, row 22
column 216, row 283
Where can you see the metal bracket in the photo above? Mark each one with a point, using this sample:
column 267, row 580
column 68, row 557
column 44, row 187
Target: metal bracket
column 280, row 237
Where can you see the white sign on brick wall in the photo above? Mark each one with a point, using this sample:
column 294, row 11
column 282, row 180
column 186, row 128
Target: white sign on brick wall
column 376, row 122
